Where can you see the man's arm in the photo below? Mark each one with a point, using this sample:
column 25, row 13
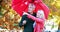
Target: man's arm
column 22, row 22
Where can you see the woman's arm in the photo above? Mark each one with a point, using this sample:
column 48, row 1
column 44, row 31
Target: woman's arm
column 34, row 18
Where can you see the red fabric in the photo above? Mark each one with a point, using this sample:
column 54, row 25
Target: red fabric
column 40, row 5
column 19, row 6
column 16, row 5
column 39, row 23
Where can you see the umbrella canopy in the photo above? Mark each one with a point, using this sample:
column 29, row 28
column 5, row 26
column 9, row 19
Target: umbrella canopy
column 22, row 5
column 40, row 5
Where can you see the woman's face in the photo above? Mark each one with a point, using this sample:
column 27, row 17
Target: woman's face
column 40, row 14
column 31, row 8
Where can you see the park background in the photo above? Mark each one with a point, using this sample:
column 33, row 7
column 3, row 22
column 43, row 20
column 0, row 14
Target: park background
column 9, row 19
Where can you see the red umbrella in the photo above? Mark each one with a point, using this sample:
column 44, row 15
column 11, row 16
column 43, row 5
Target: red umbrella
column 22, row 5
column 40, row 5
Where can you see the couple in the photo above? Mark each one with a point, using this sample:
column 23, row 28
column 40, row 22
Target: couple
column 31, row 19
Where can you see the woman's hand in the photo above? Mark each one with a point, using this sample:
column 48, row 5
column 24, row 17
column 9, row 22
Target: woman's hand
column 25, row 13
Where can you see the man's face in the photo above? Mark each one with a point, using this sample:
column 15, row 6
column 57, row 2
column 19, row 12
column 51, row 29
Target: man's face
column 31, row 8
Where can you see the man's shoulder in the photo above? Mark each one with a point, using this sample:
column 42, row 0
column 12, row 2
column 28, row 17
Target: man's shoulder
column 24, row 15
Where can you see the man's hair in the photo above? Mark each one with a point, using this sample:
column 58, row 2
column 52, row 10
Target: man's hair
column 31, row 4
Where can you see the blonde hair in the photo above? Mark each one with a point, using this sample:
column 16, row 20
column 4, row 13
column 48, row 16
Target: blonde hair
column 41, row 12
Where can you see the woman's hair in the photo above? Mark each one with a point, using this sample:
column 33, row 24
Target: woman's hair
column 40, row 11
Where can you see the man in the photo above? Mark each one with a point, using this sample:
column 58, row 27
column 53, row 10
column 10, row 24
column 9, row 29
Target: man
column 27, row 22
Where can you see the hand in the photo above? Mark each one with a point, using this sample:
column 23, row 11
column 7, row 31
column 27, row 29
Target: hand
column 25, row 13
column 24, row 22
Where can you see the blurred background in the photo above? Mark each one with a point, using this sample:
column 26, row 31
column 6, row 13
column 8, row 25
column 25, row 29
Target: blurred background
column 9, row 19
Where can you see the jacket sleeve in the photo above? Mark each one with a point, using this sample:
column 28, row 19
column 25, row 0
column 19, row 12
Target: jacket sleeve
column 34, row 18
column 21, row 22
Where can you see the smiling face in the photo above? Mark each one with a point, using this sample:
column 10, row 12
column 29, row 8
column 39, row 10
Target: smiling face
column 40, row 14
column 31, row 7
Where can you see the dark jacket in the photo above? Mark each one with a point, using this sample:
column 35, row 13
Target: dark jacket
column 28, row 27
